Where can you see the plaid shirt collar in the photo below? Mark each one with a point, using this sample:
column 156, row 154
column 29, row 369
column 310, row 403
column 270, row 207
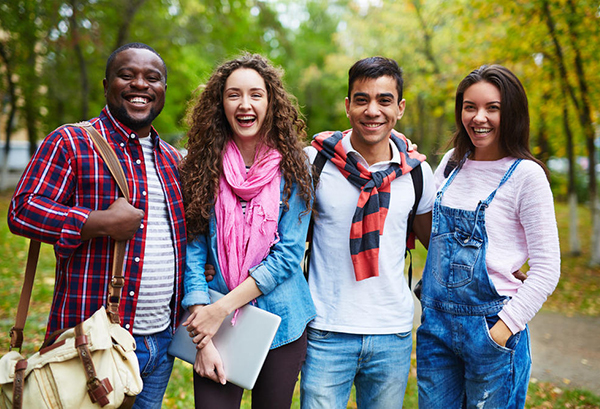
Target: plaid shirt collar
column 121, row 133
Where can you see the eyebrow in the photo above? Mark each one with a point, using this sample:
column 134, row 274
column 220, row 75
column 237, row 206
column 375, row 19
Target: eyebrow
column 382, row 95
column 466, row 101
column 146, row 70
column 251, row 89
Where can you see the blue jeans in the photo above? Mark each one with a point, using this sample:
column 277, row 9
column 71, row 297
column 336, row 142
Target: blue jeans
column 472, row 368
column 378, row 365
column 155, row 367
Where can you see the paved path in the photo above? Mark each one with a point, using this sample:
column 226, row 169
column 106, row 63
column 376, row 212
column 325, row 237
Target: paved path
column 566, row 350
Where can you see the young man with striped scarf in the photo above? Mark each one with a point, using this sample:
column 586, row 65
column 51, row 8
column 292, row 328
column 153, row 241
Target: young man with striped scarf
column 362, row 332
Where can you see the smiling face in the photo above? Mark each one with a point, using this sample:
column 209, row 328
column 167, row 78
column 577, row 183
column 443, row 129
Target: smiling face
column 135, row 89
column 373, row 110
column 481, row 118
column 245, row 101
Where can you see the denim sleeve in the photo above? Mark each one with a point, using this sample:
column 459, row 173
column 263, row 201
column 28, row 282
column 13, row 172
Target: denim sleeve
column 195, row 288
column 286, row 255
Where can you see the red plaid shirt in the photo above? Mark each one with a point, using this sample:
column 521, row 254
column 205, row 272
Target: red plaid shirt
column 63, row 183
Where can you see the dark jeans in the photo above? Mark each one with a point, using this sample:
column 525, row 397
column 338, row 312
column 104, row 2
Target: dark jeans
column 274, row 387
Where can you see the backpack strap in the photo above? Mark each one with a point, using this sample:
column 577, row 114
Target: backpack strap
column 317, row 168
column 417, row 178
column 450, row 165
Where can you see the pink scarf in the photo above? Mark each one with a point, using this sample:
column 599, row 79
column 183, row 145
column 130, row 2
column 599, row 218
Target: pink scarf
column 244, row 240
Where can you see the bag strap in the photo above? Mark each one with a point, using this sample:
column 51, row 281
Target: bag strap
column 16, row 332
column 118, row 280
column 98, row 390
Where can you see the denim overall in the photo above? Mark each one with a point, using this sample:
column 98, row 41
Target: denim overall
column 459, row 365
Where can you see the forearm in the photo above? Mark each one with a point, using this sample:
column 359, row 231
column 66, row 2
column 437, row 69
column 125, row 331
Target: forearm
column 239, row 296
column 422, row 228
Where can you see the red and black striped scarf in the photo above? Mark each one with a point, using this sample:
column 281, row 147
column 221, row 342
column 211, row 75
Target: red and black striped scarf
column 374, row 199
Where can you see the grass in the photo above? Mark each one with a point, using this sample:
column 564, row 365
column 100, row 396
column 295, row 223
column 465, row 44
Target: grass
column 577, row 293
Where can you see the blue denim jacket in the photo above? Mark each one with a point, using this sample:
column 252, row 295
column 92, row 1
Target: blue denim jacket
column 279, row 277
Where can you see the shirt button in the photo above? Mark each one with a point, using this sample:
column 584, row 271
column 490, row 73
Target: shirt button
column 132, row 136
column 131, row 293
column 137, row 259
column 142, row 226
column 127, row 326
column 138, row 161
column 144, row 193
column 122, row 145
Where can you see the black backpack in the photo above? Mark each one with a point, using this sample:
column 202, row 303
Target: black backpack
column 417, row 178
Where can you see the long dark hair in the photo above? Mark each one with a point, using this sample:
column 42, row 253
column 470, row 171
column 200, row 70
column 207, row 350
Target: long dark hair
column 514, row 114
column 283, row 129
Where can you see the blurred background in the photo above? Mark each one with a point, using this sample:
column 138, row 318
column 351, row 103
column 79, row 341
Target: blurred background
column 53, row 55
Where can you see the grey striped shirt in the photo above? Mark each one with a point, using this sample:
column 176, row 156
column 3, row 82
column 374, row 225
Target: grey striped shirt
column 153, row 311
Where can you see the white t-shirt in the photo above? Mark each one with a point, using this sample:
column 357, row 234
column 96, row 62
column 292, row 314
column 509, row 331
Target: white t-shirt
column 520, row 225
column 376, row 305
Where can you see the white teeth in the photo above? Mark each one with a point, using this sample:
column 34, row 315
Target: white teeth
column 139, row 100
column 482, row 130
column 372, row 125
column 246, row 118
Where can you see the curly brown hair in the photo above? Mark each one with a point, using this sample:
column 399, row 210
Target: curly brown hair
column 283, row 129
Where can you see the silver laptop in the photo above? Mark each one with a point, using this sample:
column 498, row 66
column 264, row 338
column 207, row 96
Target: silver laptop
column 243, row 347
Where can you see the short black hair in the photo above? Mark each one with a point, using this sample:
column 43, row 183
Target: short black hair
column 129, row 46
column 373, row 68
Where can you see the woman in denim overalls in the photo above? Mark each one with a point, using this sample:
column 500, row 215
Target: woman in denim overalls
column 493, row 213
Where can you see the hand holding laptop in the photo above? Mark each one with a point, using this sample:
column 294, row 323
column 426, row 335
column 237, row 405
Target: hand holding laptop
column 236, row 352
column 204, row 322
column 209, row 364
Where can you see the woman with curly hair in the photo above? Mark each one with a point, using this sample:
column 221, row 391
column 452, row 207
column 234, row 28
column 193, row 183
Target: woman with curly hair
column 248, row 195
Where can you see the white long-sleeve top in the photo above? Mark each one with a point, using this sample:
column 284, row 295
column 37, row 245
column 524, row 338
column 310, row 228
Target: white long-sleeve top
column 521, row 227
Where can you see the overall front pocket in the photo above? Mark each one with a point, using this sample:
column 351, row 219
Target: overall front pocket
column 456, row 255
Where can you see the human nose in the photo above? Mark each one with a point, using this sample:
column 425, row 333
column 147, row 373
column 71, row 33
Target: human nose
column 139, row 82
column 480, row 116
column 245, row 102
column 372, row 108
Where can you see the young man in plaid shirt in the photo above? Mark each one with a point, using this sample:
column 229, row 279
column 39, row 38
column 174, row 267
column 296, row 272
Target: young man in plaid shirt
column 68, row 198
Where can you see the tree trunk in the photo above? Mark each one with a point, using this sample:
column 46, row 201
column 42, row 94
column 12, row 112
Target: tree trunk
column 585, row 119
column 129, row 9
column 85, row 89
column 584, row 116
column 11, row 116
column 574, row 243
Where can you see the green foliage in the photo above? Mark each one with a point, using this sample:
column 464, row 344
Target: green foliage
column 560, row 185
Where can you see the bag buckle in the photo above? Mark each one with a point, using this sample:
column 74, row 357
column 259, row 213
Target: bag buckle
column 99, row 390
column 118, row 282
column 16, row 338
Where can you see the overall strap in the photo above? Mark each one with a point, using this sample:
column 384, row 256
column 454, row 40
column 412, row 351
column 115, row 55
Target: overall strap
column 440, row 193
column 506, row 176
